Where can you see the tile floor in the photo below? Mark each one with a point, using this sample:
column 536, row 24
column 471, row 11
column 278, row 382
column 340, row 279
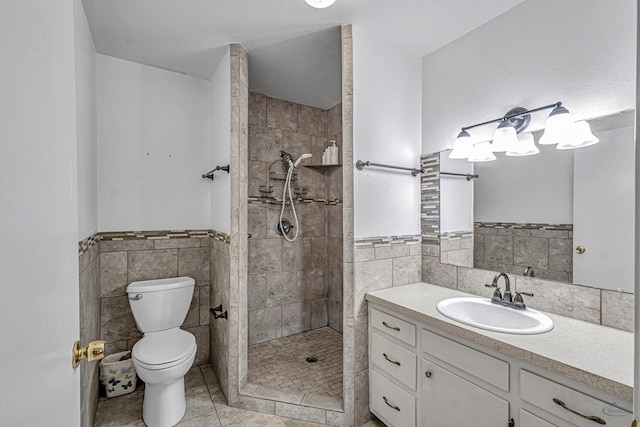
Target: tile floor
column 281, row 364
column 206, row 407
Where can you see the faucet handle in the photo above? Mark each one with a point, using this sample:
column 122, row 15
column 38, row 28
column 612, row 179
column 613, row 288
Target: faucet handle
column 493, row 285
column 518, row 302
column 497, row 295
column 525, row 293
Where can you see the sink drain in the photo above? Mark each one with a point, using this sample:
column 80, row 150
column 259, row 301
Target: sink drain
column 312, row 359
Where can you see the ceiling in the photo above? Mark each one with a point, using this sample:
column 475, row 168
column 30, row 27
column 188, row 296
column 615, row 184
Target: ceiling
column 294, row 49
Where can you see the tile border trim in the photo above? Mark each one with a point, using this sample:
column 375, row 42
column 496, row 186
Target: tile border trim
column 524, row 226
column 86, row 244
column 380, row 241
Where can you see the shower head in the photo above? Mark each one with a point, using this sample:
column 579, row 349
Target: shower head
column 287, row 158
column 301, row 158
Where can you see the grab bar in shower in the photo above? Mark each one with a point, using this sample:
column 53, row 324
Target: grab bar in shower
column 218, row 168
column 361, row 165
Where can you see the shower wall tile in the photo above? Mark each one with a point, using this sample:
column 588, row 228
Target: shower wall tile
column 319, row 313
column 312, row 220
column 257, row 221
column 257, row 109
column 258, row 173
column 296, row 143
column 296, row 318
column 265, row 144
column 293, row 276
column 282, row 114
column 312, row 121
column 312, row 283
column 257, row 291
column 265, row 255
column 265, row 324
column 283, row 288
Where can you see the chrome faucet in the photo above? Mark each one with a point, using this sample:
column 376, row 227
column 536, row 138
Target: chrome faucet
column 506, row 298
column 528, row 271
column 507, row 286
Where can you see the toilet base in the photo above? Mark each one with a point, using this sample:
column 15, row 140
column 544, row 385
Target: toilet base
column 164, row 404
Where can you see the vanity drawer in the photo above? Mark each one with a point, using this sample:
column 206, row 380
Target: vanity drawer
column 487, row 368
column 527, row 419
column 541, row 392
column 391, row 325
column 394, row 360
column 393, row 405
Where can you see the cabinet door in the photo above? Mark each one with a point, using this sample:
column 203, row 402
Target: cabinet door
column 448, row 400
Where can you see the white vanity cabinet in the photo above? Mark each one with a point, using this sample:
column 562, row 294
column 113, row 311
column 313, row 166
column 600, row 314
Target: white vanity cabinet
column 422, row 376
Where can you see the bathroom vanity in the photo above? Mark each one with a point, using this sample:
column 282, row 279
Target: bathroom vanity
column 428, row 370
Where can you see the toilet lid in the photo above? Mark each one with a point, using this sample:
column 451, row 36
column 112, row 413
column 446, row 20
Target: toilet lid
column 164, row 347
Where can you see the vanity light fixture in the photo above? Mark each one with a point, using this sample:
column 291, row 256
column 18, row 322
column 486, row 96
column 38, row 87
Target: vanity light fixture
column 560, row 129
column 320, row 4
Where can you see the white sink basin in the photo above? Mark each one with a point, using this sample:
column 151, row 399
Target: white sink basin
column 482, row 313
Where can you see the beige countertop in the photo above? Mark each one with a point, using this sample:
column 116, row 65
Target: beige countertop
column 596, row 355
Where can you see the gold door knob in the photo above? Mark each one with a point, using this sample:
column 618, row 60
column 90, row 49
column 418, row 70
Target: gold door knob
column 94, row 351
column 581, row 249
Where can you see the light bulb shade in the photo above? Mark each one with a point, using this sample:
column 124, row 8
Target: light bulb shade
column 462, row 146
column 505, row 136
column 320, row 4
column 524, row 146
column 559, row 124
column 581, row 137
column 482, row 152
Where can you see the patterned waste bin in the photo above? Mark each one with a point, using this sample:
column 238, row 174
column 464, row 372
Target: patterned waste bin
column 117, row 374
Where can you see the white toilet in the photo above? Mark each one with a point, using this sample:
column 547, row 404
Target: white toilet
column 166, row 353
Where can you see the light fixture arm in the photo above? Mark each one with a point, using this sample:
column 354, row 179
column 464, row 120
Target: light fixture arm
column 510, row 115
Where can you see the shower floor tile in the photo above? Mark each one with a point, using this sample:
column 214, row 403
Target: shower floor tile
column 281, row 364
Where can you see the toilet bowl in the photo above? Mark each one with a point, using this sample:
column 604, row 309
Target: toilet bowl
column 165, row 353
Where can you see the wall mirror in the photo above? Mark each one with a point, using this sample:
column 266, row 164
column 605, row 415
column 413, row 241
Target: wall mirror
column 567, row 214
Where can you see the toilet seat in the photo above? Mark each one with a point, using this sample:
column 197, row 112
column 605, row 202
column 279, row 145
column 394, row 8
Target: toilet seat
column 164, row 349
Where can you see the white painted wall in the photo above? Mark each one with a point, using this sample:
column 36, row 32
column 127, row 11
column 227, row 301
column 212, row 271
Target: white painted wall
column 39, row 214
column 580, row 52
column 386, row 129
column 534, row 189
column 154, row 144
column 221, row 144
column 456, row 196
column 87, row 126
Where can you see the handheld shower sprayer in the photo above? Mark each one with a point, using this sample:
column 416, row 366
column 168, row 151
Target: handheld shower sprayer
column 289, row 158
column 287, row 187
column 301, row 158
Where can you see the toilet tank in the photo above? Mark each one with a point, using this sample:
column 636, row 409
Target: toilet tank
column 160, row 304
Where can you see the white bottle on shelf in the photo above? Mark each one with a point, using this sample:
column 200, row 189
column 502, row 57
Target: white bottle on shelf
column 333, row 152
column 324, row 157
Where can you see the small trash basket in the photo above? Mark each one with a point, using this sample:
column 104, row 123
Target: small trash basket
column 117, row 374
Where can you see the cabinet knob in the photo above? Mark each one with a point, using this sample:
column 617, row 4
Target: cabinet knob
column 427, row 374
column 581, row 249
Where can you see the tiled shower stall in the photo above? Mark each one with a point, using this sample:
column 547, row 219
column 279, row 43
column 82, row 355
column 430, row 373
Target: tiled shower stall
column 293, row 286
